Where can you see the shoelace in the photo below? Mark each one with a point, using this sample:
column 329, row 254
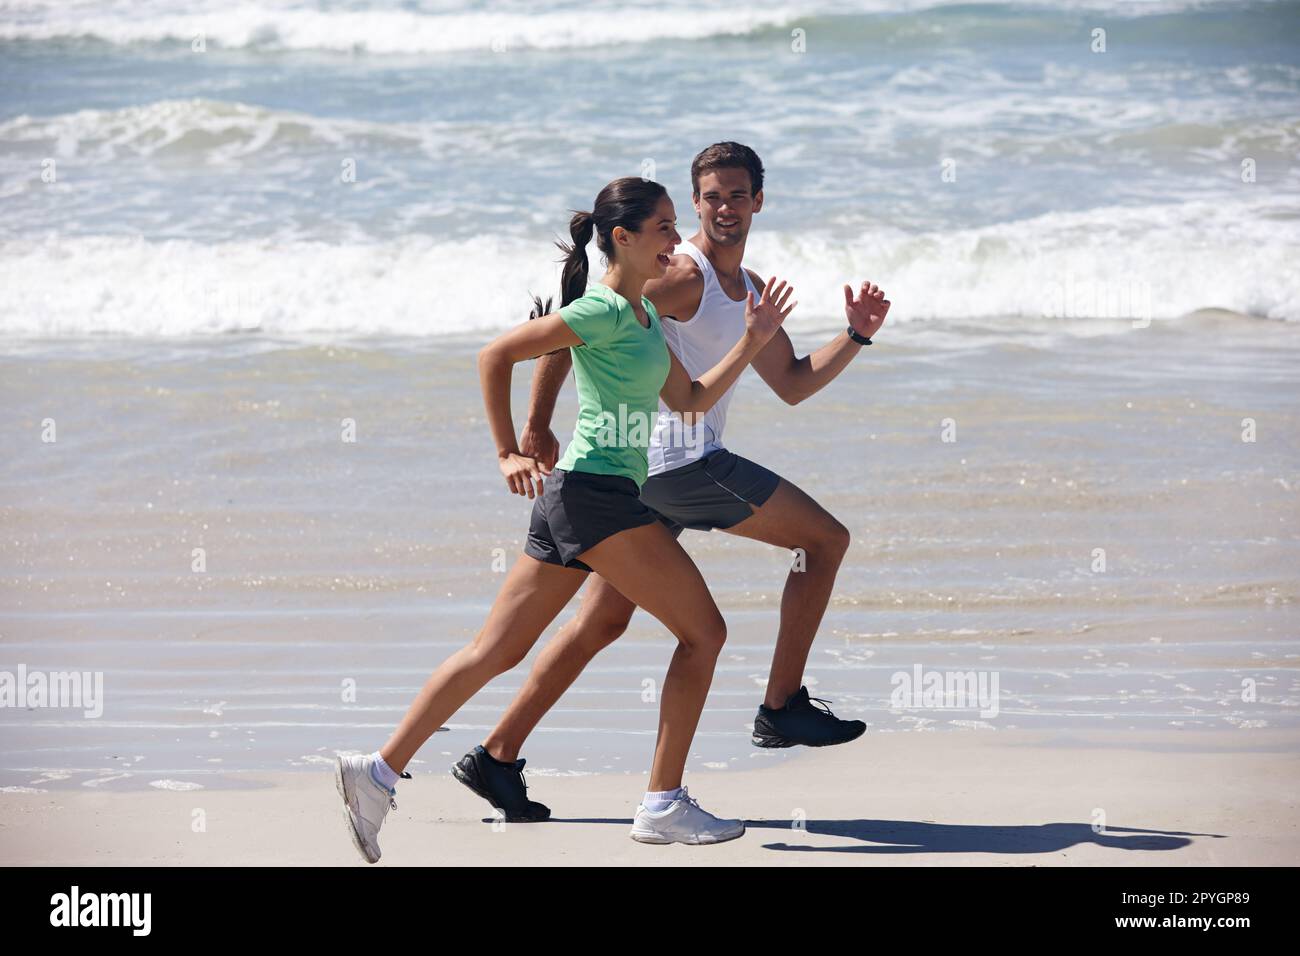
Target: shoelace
column 392, row 793
column 825, row 705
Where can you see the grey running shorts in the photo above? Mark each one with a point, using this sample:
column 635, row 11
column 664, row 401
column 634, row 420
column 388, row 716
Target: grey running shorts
column 577, row 510
column 715, row 491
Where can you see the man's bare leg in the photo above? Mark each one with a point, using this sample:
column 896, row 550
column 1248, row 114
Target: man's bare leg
column 791, row 519
column 600, row 621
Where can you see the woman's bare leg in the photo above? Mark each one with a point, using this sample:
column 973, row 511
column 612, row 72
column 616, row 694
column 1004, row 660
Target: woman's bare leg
column 533, row 593
column 648, row 567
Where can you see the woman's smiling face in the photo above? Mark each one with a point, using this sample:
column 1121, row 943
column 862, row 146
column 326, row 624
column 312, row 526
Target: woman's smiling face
column 649, row 251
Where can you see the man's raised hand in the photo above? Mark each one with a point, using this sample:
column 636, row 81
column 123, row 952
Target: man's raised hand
column 867, row 310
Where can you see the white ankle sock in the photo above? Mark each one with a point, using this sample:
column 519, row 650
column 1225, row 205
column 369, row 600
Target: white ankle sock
column 383, row 774
column 659, row 800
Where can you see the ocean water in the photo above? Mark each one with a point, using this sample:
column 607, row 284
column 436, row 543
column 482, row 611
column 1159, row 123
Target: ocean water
column 1094, row 259
column 981, row 158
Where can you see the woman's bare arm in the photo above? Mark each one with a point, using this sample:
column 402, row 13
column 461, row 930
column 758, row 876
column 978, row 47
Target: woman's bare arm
column 496, row 364
column 762, row 319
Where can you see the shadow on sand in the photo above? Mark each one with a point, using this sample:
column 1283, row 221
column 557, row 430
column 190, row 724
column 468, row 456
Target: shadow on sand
column 925, row 836
column 904, row 836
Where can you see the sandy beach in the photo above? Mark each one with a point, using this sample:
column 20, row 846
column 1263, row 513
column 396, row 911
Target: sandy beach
column 975, row 797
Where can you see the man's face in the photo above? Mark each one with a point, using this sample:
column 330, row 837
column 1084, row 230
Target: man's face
column 725, row 205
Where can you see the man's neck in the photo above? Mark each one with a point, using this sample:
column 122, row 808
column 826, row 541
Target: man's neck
column 725, row 260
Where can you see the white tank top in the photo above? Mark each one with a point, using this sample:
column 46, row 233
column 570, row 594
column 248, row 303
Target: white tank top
column 699, row 344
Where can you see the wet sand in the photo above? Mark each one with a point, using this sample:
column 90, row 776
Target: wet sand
column 1097, row 535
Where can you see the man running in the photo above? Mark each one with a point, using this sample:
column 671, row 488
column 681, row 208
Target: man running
column 696, row 482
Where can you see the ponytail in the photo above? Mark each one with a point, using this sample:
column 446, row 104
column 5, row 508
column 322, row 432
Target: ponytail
column 573, row 279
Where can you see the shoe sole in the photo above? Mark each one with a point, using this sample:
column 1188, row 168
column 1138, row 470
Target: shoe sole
column 341, row 787
column 474, row 788
column 774, row 742
column 658, row 839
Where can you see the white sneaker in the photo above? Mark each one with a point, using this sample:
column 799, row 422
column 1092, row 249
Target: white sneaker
column 683, row 822
column 365, row 803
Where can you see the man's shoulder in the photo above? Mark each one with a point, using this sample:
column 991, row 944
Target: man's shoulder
column 680, row 288
column 683, row 269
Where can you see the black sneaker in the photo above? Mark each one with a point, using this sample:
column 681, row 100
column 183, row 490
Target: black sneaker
column 500, row 784
column 799, row 722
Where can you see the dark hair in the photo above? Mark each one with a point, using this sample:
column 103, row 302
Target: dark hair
column 626, row 202
column 728, row 156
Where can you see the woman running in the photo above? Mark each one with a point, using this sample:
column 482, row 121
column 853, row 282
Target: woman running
column 587, row 514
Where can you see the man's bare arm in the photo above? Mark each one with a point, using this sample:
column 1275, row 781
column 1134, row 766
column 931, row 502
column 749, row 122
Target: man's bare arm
column 795, row 379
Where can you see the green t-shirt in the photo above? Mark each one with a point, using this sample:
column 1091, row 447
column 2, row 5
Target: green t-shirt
column 620, row 368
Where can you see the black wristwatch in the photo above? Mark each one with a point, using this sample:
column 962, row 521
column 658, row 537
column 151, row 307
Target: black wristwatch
column 857, row 336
